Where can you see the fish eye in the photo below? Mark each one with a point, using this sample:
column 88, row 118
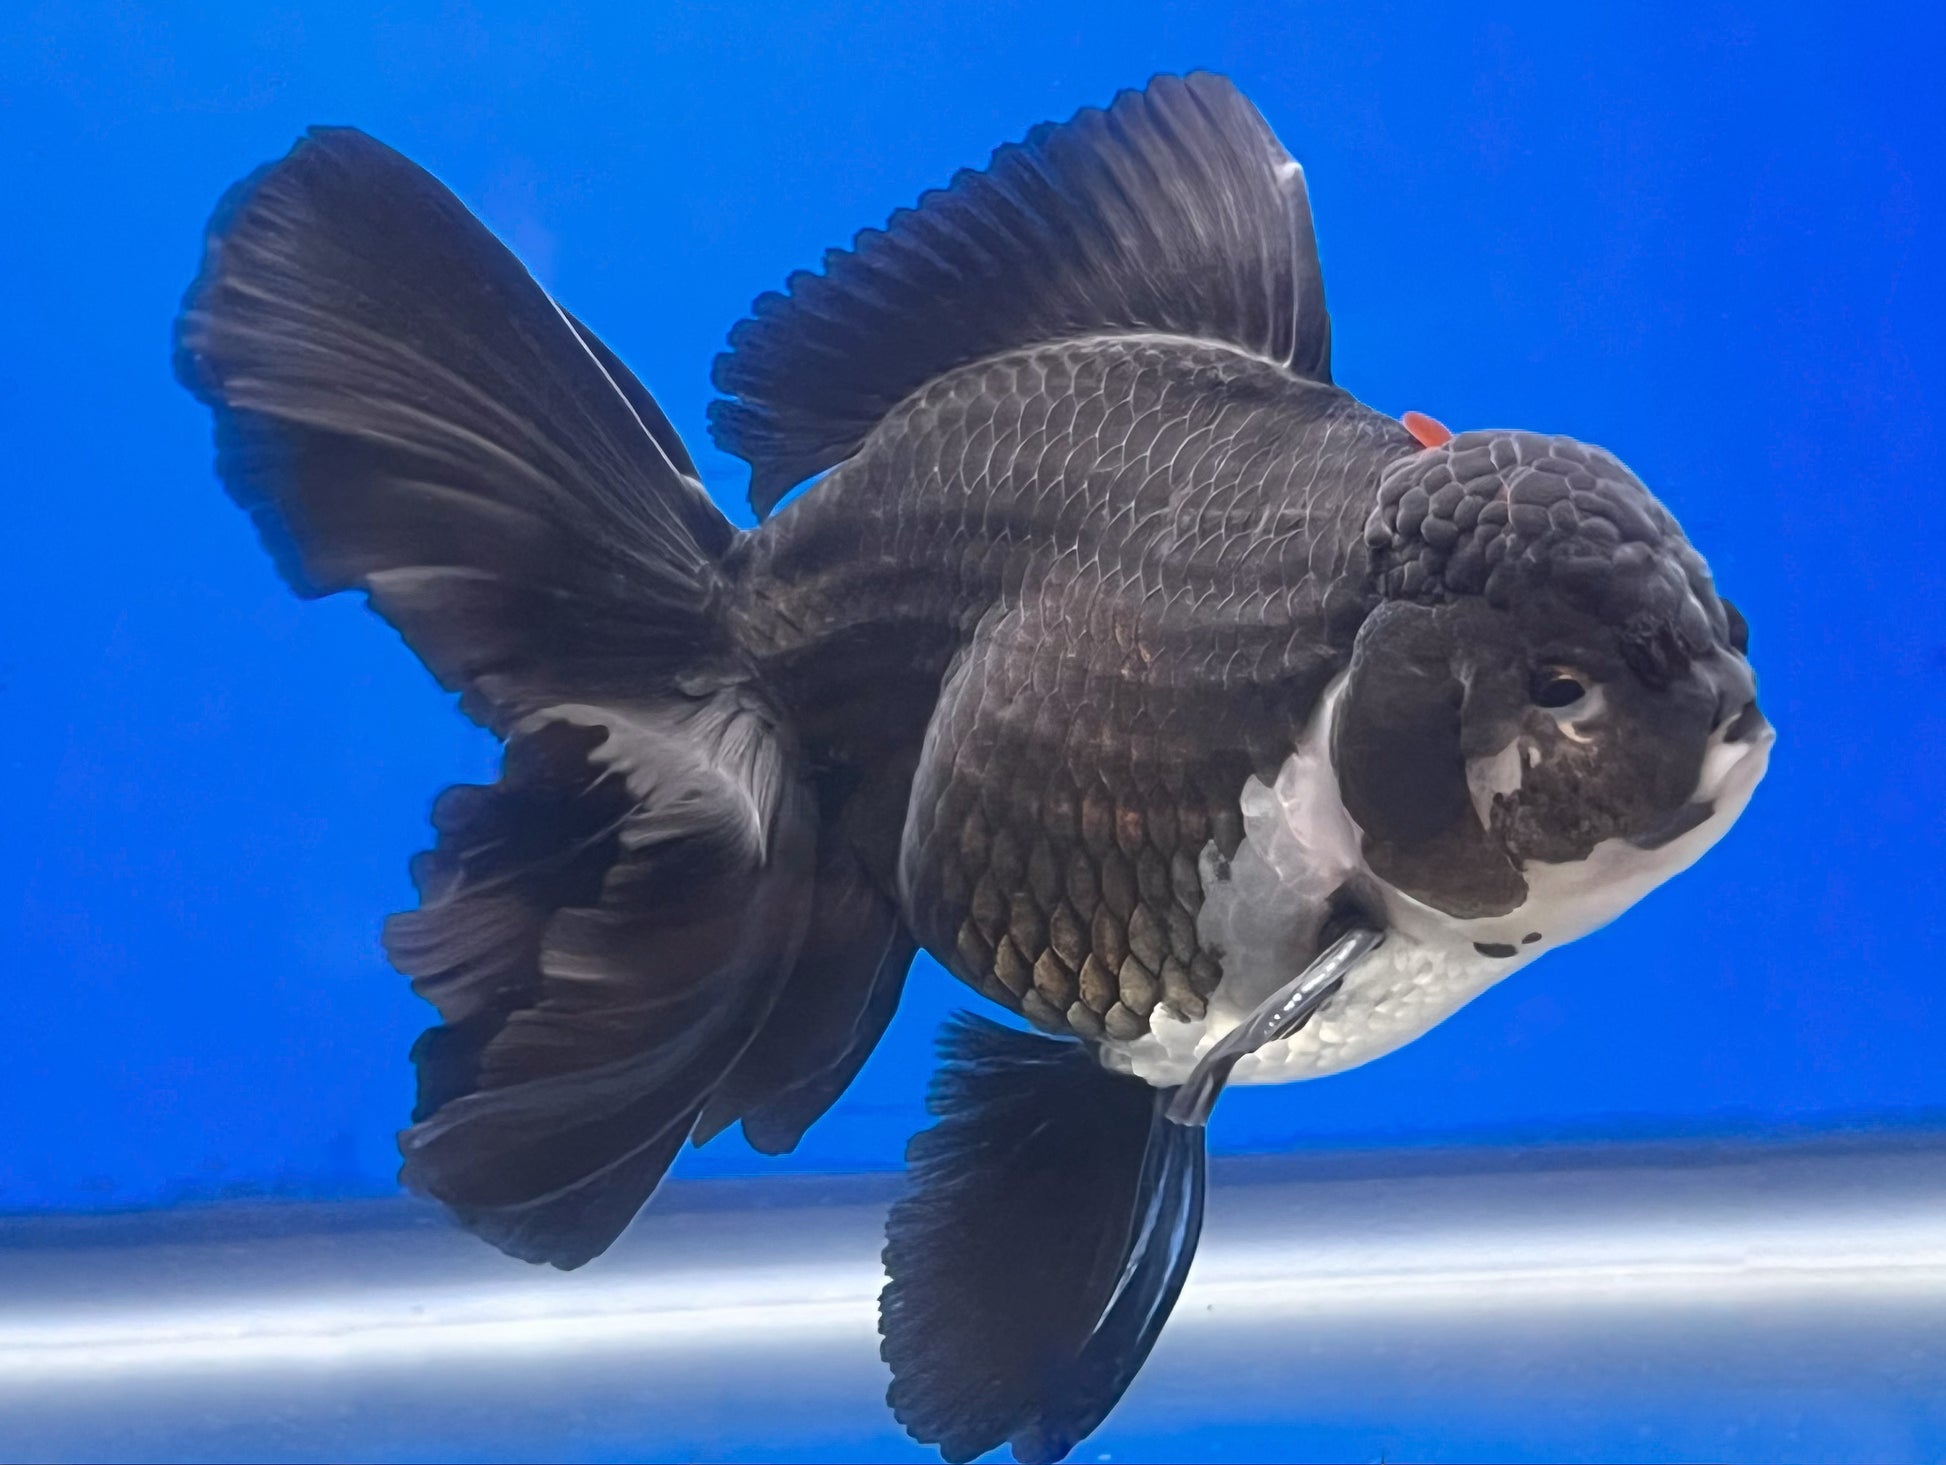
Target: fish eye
column 1554, row 689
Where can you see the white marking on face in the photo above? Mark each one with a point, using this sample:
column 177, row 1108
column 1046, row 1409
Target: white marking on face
column 1300, row 845
column 1499, row 774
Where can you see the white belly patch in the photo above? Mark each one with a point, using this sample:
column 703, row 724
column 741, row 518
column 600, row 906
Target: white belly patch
column 1394, row 995
column 1263, row 910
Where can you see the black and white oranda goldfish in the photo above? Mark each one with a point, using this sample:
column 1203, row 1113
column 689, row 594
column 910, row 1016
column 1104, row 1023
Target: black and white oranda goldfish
column 1221, row 727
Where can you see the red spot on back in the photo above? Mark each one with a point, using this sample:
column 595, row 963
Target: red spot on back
column 1427, row 432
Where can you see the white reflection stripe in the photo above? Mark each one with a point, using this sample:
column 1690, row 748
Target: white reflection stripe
column 204, row 1341
column 1656, row 1267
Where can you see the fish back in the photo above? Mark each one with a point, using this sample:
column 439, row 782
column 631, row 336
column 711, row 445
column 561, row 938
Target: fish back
column 1173, row 210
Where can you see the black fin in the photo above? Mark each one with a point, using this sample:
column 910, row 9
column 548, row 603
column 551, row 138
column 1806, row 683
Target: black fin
column 1175, row 210
column 654, row 419
column 403, row 410
column 1050, row 1221
column 829, row 1016
column 603, row 931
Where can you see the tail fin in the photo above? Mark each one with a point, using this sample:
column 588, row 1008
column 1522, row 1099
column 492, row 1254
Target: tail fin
column 1052, row 1216
column 603, row 931
column 404, row 411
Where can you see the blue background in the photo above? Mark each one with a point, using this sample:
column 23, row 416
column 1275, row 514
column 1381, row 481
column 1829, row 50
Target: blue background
column 1706, row 236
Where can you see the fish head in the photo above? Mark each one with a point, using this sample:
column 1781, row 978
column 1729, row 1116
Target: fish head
column 1551, row 710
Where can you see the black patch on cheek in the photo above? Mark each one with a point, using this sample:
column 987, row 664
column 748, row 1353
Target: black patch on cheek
column 1498, row 949
column 1567, row 803
column 1530, row 938
column 1633, row 780
column 1688, row 817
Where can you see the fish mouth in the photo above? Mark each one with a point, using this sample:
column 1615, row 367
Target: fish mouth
column 1735, row 760
column 1749, row 726
column 1743, row 738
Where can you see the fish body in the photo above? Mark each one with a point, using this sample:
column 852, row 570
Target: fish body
column 1099, row 658
column 1115, row 656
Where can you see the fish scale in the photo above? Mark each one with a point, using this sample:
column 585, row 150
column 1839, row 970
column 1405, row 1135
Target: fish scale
column 1098, row 710
column 1086, row 935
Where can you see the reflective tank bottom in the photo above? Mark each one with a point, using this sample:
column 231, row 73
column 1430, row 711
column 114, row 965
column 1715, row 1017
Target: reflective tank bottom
column 1734, row 1302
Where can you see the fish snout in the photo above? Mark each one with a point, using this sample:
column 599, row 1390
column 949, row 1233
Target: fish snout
column 1746, row 725
column 1737, row 718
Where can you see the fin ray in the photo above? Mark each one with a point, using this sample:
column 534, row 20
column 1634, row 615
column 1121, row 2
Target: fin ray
column 829, row 1016
column 1173, row 210
column 604, row 930
column 1049, row 1222
column 401, row 409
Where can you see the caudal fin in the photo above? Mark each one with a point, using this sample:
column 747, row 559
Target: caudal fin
column 1049, row 1224
column 403, row 411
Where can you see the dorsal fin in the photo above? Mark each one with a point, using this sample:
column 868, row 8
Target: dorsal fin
column 1174, row 210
